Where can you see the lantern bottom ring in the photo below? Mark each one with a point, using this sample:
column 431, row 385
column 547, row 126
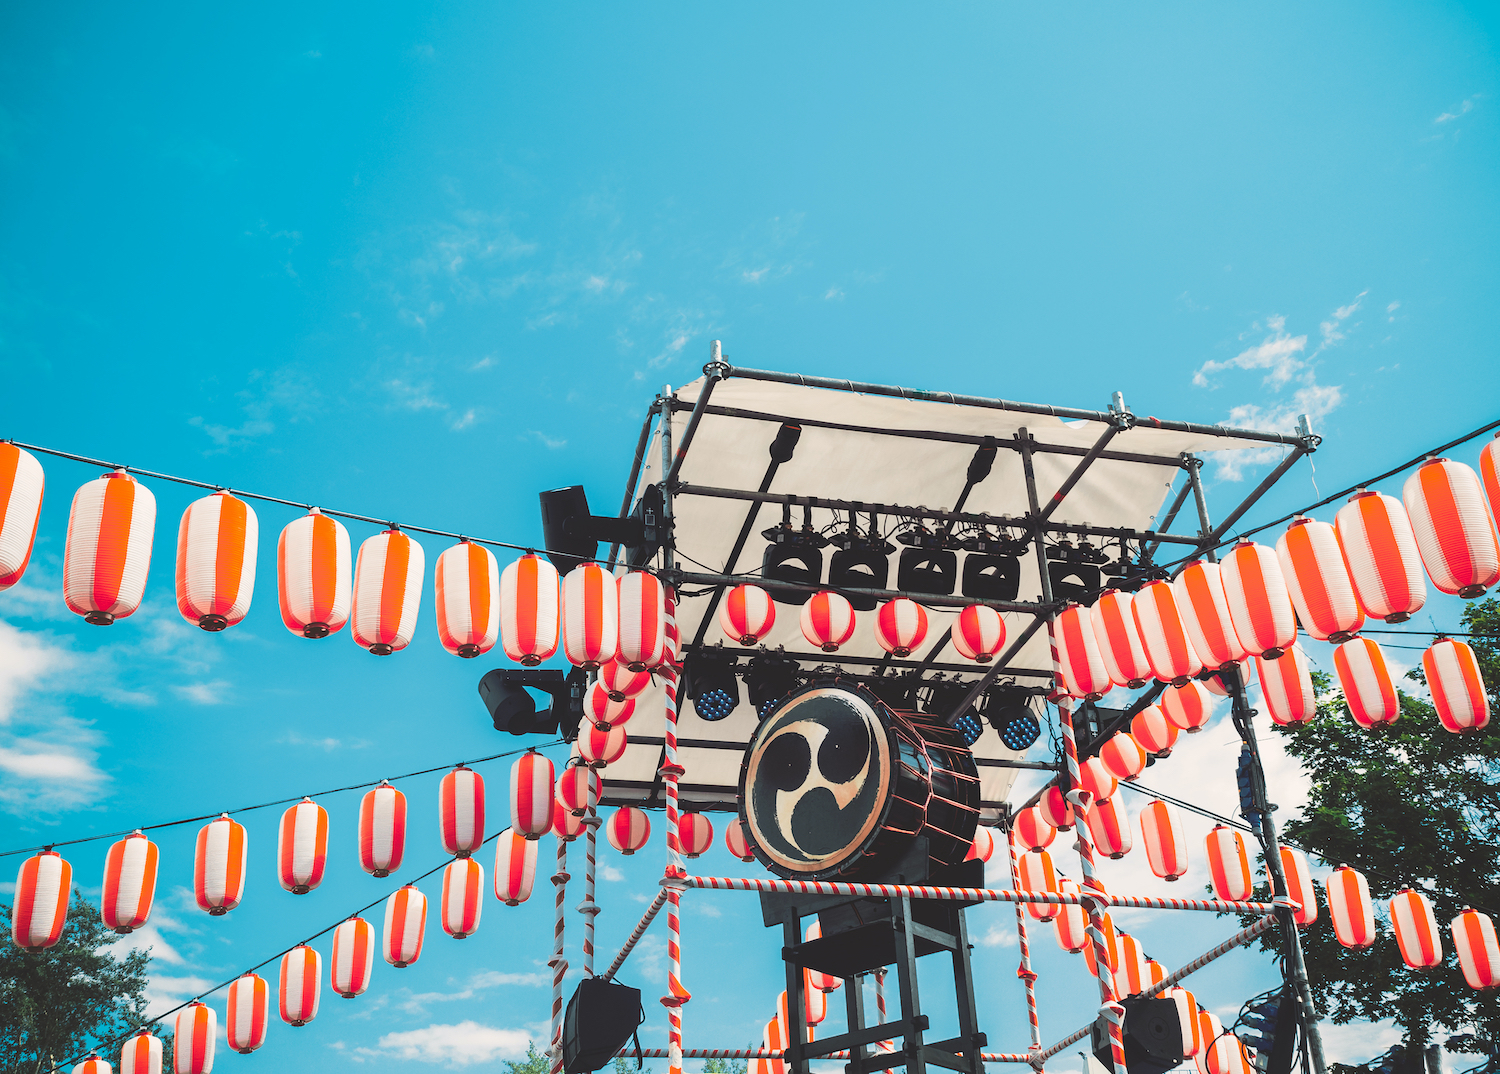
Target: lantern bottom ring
column 106, row 618
column 1341, row 636
column 381, row 648
column 315, row 630
column 1398, row 617
column 212, row 623
column 218, row 911
column 1469, row 592
column 468, row 652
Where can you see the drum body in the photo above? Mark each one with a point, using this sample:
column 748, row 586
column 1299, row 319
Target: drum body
column 835, row 784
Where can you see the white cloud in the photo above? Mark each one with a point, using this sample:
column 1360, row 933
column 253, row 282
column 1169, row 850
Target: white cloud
column 609, row 872
column 47, row 753
column 413, row 396
column 44, row 765
column 552, row 443
column 493, row 978
column 458, row 1045
column 998, row 935
column 204, row 693
column 1279, row 352
column 24, row 660
column 832, row 293
column 1463, row 109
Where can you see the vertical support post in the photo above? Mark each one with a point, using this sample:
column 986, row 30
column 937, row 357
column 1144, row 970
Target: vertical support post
column 1026, row 973
column 880, row 1002
column 854, row 1011
column 677, row 995
column 796, row 1028
column 906, row 978
column 558, row 963
column 588, row 907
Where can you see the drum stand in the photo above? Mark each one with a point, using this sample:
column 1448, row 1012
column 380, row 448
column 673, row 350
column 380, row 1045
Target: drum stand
column 864, row 934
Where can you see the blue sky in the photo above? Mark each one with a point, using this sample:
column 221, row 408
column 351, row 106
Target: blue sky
column 421, row 262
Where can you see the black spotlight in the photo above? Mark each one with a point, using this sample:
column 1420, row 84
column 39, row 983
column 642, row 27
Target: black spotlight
column 1074, row 571
column 712, row 685
column 945, row 697
column 861, row 562
column 513, row 709
column 793, row 556
column 1008, row 709
column 768, row 680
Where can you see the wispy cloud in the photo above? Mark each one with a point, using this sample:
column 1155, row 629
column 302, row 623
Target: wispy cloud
column 1463, row 109
column 204, row 693
column 462, row 1044
column 552, row 443
column 48, row 755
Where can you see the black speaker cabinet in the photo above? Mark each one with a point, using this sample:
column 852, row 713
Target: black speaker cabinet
column 1153, row 1037
column 602, row 1016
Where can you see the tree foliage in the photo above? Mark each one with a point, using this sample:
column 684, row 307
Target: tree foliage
column 534, row 1063
column 59, row 1002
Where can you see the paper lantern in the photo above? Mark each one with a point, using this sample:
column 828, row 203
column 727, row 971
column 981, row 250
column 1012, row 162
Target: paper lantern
column 1260, row 606
column 735, row 841
column 1455, row 535
column 21, row 484
column 466, row 599
column 620, row 683
column 1109, row 827
column 1312, row 562
column 1119, row 640
column 1416, row 930
column 1366, row 681
column 301, row 985
column 1123, row 756
column 1055, row 809
column 219, row 865
column 141, row 1054
column 643, row 613
column 1209, row 1031
column 673, row 657
column 1095, row 778
column 1349, row 907
column 1188, row 707
column 353, row 957
column 129, row 883
column 590, row 616
column 1201, row 600
column 1111, row 949
column 1071, row 924
column 1474, row 940
column 978, row 633
column 194, row 1033
column 216, row 546
column 92, row 1065
column 628, row 828
column 1299, row 884
column 1153, row 731
column 108, row 551
column 529, row 610
column 1166, row 847
column 302, row 847
column 248, row 1013
column 827, row 621
column 601, row 748
column 382, row 830
column 312, row 575
column 983, row 846
column 695, row 833
column 900, row 626
column 573, row 788
column 1457, row 689
column 1381, row 552
column 823, row 982
column 531, row 789
column 1228, row 865
column 747, row 614
column 463, row 897
column 603, row 711
column 1489, row 474
column 1032, row 830
column 1083, row 672
column 1187, row 1020
column 1132, row 975
column 1227, row 1055
column 1286, row 685
column 515, row 867
column 405, row 925
column 40, row 909
column 1035, row 872
column 814, row 1002
column 1162, row 633
column 461, row 811
column 566, row 825
column 387, row 592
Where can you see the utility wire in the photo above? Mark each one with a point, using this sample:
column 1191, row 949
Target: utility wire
column 268, row 805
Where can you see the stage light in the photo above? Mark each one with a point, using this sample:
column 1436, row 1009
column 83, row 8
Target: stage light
column 712, row 685
column 1008, row 709
column 861, row 562
column 513, row 709
column 769, row 679
column 927, row 570
column 793, row 556
column 1075, row 571
column 969, row 728
column 572, row 535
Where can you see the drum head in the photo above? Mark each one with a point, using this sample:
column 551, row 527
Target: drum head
column 814, row 786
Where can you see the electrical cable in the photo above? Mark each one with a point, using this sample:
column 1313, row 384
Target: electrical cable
column 268, row 805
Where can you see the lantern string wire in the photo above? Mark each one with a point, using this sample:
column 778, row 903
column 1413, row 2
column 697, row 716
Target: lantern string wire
column 268, row 805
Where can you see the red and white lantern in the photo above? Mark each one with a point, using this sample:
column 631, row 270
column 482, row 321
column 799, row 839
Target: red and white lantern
column 1199, row 590
column 735, row 841
column 219, row 865
column 573, row 788
column 566, row 825
column 643, row 614
column 302, row 847
column 1227, row 1055
column 983, row 846
column 815, row 1002
column 900, row 626
column 21, row 485
column 1286, row 685
column 461, row 811
column 1381, row 551
column 531, row 789
column 141, row 1054
column 463, row 897
column 92, row 1065
column 1119, row 640
column 823, row 982
column 1366, row 681
column 1455, row 534
column 216, row 545
column 1035, row 872
column 1095, row 778
column 301, row 985
column 1457, row 689
column 1133, row 974
column 1489, row 474
column 1109, row 827
column 1188, row 707
column 747, row 614
column 601, row 748
column 620, row 683
column 674, row 638
column 1299, row 884
column 696, row 834
column 1159, row 623
column 1259, row 605
column 353, row 957
column 1349, row 907
column 108, row 552
column 466, row 596
column 194, row 1033
column 387, row 592
column 1474, row 940
column 1166, row 846
column 1153, row 731
column 1209, row 1031
column 1111, row 949
column 978, row 633
column 515, row 867
column 1123, row 756
column 1083, row 672
column 590, row 616
column 1312, row 562
column 628, row 829
column 129, row 883
column 529, row 610
column 40, row 910
column 248, row 1013
column 827, row 621
column 1228, row 865
column 405, row 926
column 382, row 830
column 603, row 711
column 312, row 575
column 1416, row 930
column 1032, row 830
column 1071, row 923
column 1055, row 809
column 1187, row 1019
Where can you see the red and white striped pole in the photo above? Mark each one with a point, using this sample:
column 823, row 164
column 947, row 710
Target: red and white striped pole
column 558, row 963
column 880, row 1004
column 672, row 772
column 588, row 907
column 1025, row 972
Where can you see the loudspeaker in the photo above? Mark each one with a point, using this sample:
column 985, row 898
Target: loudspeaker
column 602, row 1016
column 1153, row 1036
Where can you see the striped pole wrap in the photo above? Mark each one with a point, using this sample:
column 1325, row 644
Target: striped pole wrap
column 880, row 1003
column 1026, row 973
column 774, row 1053
column 588, row 907
column 635, row 936
column 558, row 963
column 672, row 772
